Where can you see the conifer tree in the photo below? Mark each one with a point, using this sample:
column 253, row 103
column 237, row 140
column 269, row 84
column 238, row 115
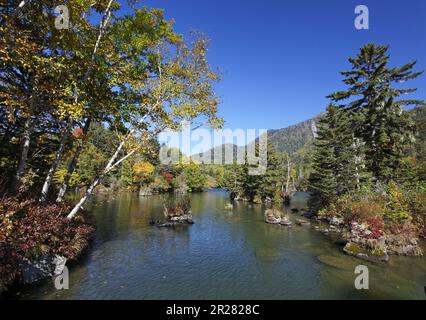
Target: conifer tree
column 271, row 179
column 380, row 122
column 322, row 181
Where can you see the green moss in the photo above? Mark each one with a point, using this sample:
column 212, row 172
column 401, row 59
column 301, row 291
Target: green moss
column 357, row 249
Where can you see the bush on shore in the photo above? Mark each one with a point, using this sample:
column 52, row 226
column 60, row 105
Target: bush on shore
column 29, row 230
column 392, row 211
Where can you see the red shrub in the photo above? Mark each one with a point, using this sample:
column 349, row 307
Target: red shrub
column 77, row 133
column 168, row 176
column 29, row 229
column 376, row 226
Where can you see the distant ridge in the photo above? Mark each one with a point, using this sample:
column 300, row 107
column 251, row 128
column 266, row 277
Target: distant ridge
column 289, row 139
column 294, row 137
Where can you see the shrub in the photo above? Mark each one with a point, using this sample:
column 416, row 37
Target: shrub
column 353, row 208
column 376, row 226
column 177, row 207
column 29, row 229
column 363, row 209
column 397, row 209
column 417, row 207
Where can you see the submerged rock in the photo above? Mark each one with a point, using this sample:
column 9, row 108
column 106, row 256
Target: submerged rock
column 340, row 263
column 229, row 206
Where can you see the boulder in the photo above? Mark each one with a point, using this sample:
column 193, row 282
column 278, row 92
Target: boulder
column 308, row 215
column 398, row 244
column 335, row 221
column 44, row 267
column 145, row 192
column 181, row 190
column 273, row 216
column 185, row 218
column 257, row 199
column 285, row 221
column 302, row 222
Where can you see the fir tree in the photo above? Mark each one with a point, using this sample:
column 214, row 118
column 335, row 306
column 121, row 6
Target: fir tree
column 271, row 180
column 322, row 180
column 380, row 122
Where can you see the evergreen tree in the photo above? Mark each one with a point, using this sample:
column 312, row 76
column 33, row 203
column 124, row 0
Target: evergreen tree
column 338, row 161
column 271, row 180
column 380, row 122
column 322, row 180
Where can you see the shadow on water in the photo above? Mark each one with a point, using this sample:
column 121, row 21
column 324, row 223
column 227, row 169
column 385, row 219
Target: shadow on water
column 224, row 255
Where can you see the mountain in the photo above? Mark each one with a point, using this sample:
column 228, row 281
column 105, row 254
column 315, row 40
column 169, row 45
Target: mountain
column 292, row 138
column 222, row 150
column 289, row 139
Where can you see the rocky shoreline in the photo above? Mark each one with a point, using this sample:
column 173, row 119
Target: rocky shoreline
column 356, row 240
column 359, row 241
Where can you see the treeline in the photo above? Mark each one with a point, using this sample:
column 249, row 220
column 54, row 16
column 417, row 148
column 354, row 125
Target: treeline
column 368, row 163
column 81, row 104
column 279, row 179
column 132, row 74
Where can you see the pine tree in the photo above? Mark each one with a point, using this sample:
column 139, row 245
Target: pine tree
column 338, row 161
column 271, row 180
column 322, row 181
column 380, row 122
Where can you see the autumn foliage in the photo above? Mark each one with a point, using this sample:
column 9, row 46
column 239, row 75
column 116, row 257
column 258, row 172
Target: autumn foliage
column 30, row 230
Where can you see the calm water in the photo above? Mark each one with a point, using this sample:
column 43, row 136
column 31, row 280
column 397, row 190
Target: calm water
column 224, row 255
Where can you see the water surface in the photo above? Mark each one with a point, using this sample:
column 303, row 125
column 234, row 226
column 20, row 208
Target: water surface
column 224, row 255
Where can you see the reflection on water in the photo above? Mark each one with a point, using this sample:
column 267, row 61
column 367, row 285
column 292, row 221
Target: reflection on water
column 224, row 255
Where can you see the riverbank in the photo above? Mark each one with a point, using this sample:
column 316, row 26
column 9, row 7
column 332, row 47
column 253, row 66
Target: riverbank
column 359, row 227
column 226, row 254
column 36, row 240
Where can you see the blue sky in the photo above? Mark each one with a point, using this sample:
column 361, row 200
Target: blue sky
column 279, row 59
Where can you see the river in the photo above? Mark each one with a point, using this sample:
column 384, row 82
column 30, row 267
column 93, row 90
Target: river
column 224, row 255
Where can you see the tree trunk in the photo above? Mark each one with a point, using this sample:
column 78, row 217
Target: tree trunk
column 107, row 169
column 48, row 181
column 112, row 163
column 24, row 154
column 288, row 175
column 83, row 200
column 73, row 163
column 102, row 28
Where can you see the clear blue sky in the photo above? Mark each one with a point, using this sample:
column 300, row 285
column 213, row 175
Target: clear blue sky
column 279, row 59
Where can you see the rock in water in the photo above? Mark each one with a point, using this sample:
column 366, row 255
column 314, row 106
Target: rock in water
column 185, row 218
column 273, row 216
column 302, row 222
column 285, row 221
column 39, row 269
column 336, row 262
column 373, row 255
column 229, row 206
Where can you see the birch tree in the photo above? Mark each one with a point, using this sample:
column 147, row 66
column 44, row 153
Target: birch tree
column 180, row 88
